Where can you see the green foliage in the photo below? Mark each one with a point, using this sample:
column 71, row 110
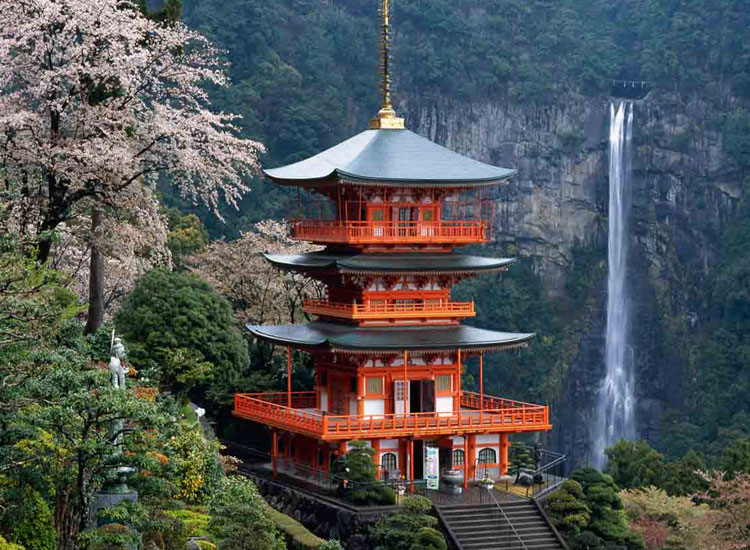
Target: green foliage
column 588, row 512
column 737, row 458
column 567, row 509
column 187, row 236
column 358, row 468
column 429, row 539
column 607, row 521
column 416, row 505
column 195, row 521
column 634, row 464
column 239, row 518
column 411, row 529
column 29, row 523
column 297, row 532
column 520, row 458
column 176, row 326
column 5, row 545
column 331, row 545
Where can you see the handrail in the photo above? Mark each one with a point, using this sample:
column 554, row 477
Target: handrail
column 355, row 310
column 273, row 409
column 394, row 231
column 507, row 519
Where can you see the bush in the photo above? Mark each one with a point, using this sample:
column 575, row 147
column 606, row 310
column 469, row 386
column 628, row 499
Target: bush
column 30, row 524
column 417, row 505
column 429, row 539
column 357, row 467
column 411, row 529
column 168, row 314
column 294, row 530
column 195, row 522
column 240, row 518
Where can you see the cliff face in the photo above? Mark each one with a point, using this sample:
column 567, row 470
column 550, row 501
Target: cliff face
column 681, row 196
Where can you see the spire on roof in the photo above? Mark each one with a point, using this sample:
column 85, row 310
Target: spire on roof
column 387, row 119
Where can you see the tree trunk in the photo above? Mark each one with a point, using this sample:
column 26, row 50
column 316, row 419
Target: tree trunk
column 96, row 278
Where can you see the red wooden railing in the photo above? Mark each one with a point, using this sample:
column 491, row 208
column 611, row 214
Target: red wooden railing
column 371, row 232
column 444, row 308
column 499, row 415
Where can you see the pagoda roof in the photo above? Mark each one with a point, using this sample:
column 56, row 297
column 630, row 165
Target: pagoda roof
column 354, row 339
column 449, row 264
column 389, row 157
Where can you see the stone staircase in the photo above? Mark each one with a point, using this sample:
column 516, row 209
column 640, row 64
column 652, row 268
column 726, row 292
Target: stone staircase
column 484, row 527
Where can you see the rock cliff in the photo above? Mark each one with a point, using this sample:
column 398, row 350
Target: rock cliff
column 682, row 195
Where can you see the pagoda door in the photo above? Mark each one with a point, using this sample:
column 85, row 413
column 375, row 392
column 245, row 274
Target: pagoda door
column 339, row 396
column 398, row 396
column 423, row 396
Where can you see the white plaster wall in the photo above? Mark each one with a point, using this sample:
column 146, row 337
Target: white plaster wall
column 375, row 407
column 444, row 405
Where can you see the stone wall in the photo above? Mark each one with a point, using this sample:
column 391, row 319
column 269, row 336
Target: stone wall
column 325, row 517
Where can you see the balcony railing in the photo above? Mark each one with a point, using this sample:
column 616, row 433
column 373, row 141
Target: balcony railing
column 442, row 309
column 442, row 232
column 498, row 415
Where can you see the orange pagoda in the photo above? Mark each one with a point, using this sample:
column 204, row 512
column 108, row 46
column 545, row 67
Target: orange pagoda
column 389, row 346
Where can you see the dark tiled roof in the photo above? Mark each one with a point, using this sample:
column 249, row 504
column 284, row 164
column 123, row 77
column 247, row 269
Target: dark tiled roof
column 402, row 263
column 396, row 339
column 392, row 157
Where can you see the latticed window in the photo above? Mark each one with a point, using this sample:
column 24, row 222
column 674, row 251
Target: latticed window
column 443, row 383
column 458, row 457
column 374, row 386
column 487, row 456
column 398, row 390
column 389, row 461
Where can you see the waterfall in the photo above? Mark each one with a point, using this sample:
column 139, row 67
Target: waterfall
column 615, row 411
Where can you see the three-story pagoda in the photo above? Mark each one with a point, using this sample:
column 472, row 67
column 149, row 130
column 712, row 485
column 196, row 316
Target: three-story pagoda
column 389, row 346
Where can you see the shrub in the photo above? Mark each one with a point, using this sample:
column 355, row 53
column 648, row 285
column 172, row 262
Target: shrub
column 429, row 539
column 240, row 518
column 168, row 314
column 411, row 529
column 294, row 530
column 195, row 522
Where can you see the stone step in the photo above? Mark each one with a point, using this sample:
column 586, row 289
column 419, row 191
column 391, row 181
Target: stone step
column 513, row 545
column 494, row 517
column 523, row 531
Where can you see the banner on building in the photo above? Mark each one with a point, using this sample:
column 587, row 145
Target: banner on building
column 432, row 467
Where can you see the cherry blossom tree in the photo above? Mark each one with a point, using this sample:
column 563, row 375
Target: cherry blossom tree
column 259, row 292
column 96, row 98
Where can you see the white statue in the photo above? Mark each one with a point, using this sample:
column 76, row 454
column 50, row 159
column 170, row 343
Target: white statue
column 115, row 364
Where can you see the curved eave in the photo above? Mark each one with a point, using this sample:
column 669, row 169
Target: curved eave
column 339, row 177
column 418, row 339
column 381, row 264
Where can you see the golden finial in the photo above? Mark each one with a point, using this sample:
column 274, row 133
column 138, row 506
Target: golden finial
column 387, row 119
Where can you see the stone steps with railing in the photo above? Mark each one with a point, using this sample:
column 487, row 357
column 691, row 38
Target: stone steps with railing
column 499, row 526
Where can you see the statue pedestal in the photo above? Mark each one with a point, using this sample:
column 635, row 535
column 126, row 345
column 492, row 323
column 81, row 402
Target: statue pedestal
column 113, row 493
column 104, row 499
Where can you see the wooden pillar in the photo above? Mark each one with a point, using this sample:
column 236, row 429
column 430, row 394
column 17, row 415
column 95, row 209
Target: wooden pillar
column 289, row 377
column 466, row 461
column 274, row 453
column 460, row 372
column 406, row 384
column 329, row 386
column 360, row 394
column 376, row 457
column 411, row 465
column 471, row 457
column 504, row 445
column 481, row 387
